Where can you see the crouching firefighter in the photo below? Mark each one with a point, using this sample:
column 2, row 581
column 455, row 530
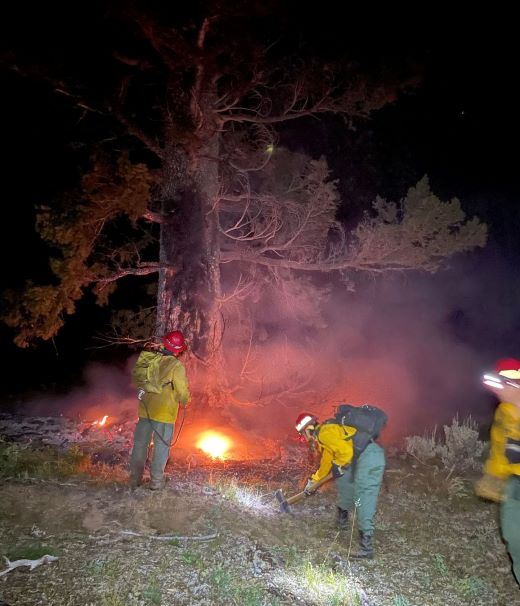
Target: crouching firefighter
column 349, row 450
column 160, row 379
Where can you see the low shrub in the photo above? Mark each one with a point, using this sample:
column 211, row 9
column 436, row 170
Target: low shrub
column 459, row 449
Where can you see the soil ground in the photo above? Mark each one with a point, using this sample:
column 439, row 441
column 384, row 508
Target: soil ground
column 436, row 544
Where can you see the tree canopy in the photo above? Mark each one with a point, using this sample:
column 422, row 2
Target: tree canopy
column 186, row 179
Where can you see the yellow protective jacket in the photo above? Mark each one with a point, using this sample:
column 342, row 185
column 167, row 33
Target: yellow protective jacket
column 336, row 446
column 505, row 431
column 164, row 406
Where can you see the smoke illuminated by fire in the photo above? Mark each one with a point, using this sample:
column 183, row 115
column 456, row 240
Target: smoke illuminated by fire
column 214, row 444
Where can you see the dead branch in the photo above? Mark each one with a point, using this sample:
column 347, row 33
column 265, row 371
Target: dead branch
column 154, row 217
column 119, row 339
column 132, row 61
column 241, row 291
column 46, row 559
column 149, row 142
column 352, row 265
column 52, row 482
column 207, row 537
column 143, row 270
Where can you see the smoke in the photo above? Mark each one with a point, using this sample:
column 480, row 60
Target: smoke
column 105, row 390
column 415, row 345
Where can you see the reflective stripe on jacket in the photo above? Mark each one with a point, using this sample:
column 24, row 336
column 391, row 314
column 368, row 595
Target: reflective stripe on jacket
column 164, row 406
column 336, row 446
column 505, row 439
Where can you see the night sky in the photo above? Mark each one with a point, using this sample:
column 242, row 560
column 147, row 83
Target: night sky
column 461, row 127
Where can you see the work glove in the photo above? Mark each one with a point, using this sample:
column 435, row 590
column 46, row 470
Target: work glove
column 337, row 471
column 309, row 487
column 491, row 488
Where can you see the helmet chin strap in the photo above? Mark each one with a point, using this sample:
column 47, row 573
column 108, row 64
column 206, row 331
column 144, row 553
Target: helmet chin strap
column 309, row 433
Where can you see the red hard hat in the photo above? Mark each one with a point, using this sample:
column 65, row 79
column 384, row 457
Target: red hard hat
column 509, row 368
column 304, row 420
column 174, row 342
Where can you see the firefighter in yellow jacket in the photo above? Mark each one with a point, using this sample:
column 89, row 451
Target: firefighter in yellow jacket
column 501, row 479
column 158, row 412
column 358, row 479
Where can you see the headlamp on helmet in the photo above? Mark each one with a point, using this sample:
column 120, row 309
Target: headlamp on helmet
column 505, row 374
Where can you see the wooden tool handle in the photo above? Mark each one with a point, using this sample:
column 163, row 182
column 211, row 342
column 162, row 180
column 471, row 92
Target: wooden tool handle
column 301, row 495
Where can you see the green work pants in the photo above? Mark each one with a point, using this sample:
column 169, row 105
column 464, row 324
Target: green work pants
column 147, row 430
column 359, row 486
column 510, row 522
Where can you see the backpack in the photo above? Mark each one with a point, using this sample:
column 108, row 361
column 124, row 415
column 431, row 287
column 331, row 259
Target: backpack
column 368, row 420
column 145, row 374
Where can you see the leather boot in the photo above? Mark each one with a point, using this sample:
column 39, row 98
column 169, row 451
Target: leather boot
column 135, row 481
column 366, row 547
column 157, row 484
column 342, row 519
column 136, row 477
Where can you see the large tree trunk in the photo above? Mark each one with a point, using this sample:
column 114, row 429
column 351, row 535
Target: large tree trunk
column 189, row 285
column 189, row 291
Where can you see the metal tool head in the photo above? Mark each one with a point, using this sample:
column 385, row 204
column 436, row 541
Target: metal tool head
column 284, row 506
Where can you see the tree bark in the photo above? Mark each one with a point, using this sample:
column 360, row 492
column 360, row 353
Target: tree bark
column 188, row 297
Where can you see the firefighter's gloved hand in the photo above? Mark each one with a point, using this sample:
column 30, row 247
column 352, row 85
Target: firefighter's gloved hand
column 140, row 394
column 337, row 471
column 309, row 487
column 491, row 488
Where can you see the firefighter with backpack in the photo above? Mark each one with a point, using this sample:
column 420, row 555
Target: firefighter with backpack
column 162, row 386
column 357, row 462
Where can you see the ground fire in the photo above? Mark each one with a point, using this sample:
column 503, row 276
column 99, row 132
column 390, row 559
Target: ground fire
column 101, row 422
column 214, row 444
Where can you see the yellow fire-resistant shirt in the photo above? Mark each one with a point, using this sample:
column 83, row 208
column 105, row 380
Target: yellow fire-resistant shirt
column 336, row 446
column 164, row 406
column 505, row 431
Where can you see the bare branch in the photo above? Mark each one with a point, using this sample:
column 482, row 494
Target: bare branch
column 80, row 102
column 137, row 132
column 241, row 290
column 46, row 559
column 171, row 537
column 142, row 270
column 352, row 265
column 195, row 103
column 132, row 61
column 154, row 217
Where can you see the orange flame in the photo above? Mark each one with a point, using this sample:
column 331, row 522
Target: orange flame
column 102, row 422
column 214, row 444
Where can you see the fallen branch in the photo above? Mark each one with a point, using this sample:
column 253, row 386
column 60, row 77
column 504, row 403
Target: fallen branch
column 44, row 481
column 208, row 537
column 46, row 559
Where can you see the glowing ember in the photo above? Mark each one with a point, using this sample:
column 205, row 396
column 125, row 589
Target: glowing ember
column 214, row 444
column 102, row 422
